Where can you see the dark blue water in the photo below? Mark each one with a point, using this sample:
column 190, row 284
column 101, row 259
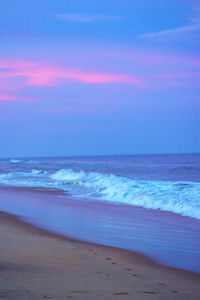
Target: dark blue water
column 172, row 167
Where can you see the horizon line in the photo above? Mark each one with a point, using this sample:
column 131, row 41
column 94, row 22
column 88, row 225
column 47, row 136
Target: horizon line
column 100, row 155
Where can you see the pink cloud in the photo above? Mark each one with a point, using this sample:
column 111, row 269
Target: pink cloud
column 43, row 74
column 9, row 98
column 4, row 97
column 157, row 71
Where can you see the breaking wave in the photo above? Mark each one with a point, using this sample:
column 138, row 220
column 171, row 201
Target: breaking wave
column 182, row 197
column 15, row 161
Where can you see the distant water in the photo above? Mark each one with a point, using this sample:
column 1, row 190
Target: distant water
column 160, row 182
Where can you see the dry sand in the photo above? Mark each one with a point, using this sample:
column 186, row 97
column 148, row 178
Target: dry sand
column 35, row 264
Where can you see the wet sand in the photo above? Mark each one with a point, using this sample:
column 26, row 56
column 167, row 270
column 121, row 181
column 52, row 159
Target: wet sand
column 36, row 264
column 170, row 239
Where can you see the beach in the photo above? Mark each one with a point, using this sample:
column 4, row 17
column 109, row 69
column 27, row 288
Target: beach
column 100, row 228
column 167, row 238
column 37, row 264
column 100, row 152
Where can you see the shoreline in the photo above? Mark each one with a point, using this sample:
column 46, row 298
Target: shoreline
column 131, row 255
column 127, row 274
column 151, row 233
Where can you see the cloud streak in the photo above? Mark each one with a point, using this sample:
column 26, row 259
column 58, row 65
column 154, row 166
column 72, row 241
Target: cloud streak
column 43, row 74
column 157, row 71
column 86, row 18
column 4, row 97
column 190, row 31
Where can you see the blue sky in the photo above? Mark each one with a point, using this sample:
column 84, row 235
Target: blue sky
column 90, row 77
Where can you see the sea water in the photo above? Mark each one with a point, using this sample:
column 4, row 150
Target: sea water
column 147, row 203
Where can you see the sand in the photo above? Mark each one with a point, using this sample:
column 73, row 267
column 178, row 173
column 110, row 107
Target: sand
column 36, row 264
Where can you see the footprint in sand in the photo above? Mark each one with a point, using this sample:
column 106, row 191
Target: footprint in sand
column 120, row 294
column 176, row 292
column 162, row 283
column 80, row 292
column 147, row 292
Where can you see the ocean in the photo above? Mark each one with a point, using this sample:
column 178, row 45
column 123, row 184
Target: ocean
column 144, row 203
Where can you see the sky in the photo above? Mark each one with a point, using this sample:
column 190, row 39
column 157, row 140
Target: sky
column 99, row 77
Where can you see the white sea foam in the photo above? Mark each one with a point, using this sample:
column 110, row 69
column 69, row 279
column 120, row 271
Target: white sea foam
column 37, row 172
column 68, row 175
column 35, row 178
column 175, row 196
column 178, row 197
column 15, row 161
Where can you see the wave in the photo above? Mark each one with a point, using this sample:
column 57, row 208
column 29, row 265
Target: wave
column 180, row 197
column 15, row 161
column 18, row 161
